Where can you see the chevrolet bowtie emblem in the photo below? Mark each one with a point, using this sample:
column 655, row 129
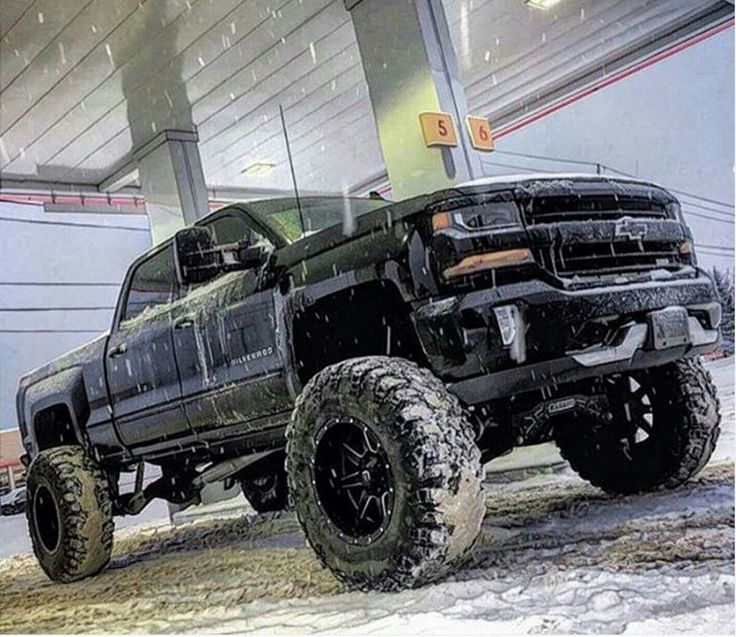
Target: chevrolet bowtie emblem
column 631, row 229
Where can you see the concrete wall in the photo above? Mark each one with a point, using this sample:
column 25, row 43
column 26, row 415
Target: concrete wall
column 64, row 257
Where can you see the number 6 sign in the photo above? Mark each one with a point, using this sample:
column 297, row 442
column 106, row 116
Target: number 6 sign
column 481, row 135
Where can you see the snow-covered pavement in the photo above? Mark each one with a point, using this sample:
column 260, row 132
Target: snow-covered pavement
column 555, row 555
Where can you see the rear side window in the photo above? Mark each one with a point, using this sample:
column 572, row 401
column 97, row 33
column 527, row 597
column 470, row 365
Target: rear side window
column 152, row 284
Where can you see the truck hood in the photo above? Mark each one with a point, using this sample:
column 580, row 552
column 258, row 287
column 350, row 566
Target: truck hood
column 517, row 179
column 556, row 184
column 522, row 186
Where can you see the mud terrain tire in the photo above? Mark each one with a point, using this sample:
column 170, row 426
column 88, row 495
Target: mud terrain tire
column 69, row 514
column 432, row 461
column 266, row 493
column 684, row 430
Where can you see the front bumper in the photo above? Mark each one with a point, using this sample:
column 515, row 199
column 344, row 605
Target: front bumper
column 563, row 335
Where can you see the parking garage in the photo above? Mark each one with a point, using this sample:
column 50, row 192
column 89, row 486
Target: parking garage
column 120, row 125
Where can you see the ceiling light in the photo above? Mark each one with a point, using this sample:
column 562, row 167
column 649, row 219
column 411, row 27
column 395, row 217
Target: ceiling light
column 258, row 169
column 542, row 4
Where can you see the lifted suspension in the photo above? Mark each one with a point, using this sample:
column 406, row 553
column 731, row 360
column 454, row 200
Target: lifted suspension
column 185, row 489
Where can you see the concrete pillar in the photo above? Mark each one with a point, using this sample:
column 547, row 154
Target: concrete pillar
column 172, row 181
column 410, row 67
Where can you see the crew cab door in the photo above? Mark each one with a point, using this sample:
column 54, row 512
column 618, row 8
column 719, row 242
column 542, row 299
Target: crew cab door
column 231, row 368
column 141, row 368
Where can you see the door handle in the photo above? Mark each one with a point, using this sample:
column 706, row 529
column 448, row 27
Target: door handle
column 183, row 323
column 118, row 351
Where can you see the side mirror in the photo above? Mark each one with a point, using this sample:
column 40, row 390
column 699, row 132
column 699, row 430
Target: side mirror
column 197, row 259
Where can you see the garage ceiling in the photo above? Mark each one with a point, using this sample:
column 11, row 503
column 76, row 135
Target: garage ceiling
column 85, row 82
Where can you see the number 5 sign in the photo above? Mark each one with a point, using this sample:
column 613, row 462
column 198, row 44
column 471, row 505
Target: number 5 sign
column 480, row 131
column 438, row 129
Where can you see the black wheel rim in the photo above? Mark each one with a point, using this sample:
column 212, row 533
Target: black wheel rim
column 632, row 405
column 353, row 480
column 46, row 517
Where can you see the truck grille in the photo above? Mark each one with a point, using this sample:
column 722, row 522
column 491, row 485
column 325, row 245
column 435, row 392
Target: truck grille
column 554, row 209
column 588, row 259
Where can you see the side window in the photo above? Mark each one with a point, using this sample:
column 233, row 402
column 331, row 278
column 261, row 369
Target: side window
column 152, row 284
column 233, row 228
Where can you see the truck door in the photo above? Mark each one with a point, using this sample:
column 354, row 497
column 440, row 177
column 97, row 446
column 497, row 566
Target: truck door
column 231, row 369
column 141, row 367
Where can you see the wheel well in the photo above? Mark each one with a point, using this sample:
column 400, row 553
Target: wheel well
column 53, row 427
column 369, row 319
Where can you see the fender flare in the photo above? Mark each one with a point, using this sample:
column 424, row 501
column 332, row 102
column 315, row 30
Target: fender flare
column 64, row 388
column 386, row 273
column 302, row 299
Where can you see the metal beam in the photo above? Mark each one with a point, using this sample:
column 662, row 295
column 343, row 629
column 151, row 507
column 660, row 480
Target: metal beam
column 172, row 181
column 410, row 67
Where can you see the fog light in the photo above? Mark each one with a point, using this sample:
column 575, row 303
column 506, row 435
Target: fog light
column 506, row 319
column 511, row 327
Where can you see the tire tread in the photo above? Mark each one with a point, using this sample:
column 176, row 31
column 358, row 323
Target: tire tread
column 432, row 425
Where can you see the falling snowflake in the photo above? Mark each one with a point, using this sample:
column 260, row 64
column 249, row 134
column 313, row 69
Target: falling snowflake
column 109, row 54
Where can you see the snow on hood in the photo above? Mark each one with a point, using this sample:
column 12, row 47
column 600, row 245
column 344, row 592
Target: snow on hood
column 503, row 179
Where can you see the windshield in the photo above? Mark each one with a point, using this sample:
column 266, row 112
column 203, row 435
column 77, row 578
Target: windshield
column 318, row 213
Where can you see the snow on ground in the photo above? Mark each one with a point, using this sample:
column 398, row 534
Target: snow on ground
column 555, row 555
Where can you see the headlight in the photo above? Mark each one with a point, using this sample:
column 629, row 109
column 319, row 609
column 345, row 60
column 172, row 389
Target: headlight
column 477, row 217
column 674, row 211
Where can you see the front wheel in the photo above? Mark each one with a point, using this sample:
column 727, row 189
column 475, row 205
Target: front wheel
column 69, row 514
column 663, row 427
column 384, row 473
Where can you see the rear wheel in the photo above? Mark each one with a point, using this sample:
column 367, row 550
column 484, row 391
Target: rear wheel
column 663, row 429
column 69, row 514
column 267, row 492
column 385, row 473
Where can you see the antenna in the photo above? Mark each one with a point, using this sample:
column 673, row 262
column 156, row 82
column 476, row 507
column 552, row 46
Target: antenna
column 291, row 167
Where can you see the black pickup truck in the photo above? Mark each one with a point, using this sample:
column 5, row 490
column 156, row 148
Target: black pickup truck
column 362, row 360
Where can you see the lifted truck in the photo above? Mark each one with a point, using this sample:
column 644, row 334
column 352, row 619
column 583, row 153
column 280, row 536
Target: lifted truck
column 363, row 359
